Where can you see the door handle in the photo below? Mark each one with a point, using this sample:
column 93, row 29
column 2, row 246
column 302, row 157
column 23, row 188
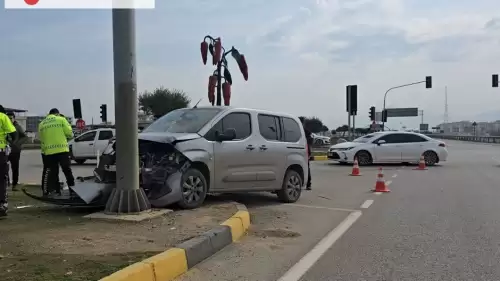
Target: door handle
column 250, row 147
column 91, row 144
column 263, row 147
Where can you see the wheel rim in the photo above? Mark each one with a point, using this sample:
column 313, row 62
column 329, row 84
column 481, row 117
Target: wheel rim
column 363, row 158
column 192, row 189
column 430, row 158
column 293, row 186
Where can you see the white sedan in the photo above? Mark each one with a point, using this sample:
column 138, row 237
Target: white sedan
column 390, row 147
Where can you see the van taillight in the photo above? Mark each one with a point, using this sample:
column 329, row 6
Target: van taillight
column 442, row 145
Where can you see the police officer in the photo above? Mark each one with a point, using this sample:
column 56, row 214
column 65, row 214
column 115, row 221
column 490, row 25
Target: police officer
column 54, row 132
column 15, row 152
column 7, row 132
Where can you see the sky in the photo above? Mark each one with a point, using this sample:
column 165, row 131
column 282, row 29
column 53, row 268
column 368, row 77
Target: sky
column 301, row 55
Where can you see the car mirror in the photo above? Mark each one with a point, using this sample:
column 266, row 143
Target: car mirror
column 380, row 142
column 229, row 134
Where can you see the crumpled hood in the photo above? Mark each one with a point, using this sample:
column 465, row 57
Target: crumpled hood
column 168, row 137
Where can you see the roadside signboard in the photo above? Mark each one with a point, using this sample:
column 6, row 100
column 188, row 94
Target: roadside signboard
column 80, row 124
column 402, row 112
column 424, row 127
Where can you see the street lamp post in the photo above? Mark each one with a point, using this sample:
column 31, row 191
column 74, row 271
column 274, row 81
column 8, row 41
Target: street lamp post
column 127, row 197
column 219, row 54
column 428, row 85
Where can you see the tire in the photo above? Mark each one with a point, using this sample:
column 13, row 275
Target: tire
column 430, row 158
column 364, row 158
column 318, row 142
column 80, row 161
column 291, row 188
column 194, row 189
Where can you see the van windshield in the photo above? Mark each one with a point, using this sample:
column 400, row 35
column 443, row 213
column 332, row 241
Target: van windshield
column 186, row 120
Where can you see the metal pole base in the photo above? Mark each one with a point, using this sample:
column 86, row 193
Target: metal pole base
column 127, row 202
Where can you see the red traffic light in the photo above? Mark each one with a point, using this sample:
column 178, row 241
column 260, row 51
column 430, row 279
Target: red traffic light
column 204, row 51
column 217, row 51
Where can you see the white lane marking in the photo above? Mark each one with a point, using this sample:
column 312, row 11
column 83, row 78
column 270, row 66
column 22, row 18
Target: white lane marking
column 388, row 183
column 306, row 262
column 23, row 207
column 320, row 207
column 366, row 204
column 378, row 193
column 395, row 175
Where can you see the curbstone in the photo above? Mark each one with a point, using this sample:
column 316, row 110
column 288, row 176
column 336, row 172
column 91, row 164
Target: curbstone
column 320, row 158
column 175, row 261
column 137, row 271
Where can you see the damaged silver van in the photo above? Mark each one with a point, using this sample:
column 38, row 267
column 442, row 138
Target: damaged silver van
column 194, row 151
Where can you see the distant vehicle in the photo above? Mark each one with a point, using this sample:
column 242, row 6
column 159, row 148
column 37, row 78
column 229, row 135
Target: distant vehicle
column 88, row 144
column 320, row 140
column 190, row 152
column 389, row 147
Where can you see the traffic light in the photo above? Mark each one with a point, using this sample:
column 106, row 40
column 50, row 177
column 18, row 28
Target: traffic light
column 494, row 81
column 428, row 82
column 372, row 113
column 384, row 115
column 352, row 90
column 104, row 113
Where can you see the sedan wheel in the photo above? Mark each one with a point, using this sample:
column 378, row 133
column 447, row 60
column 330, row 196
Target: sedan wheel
column 364, row 158
column 430, row 158
column 194, row 189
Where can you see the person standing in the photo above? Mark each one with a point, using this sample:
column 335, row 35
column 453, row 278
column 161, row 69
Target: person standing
column 7, row 130
column 309, row 139
column 54, row 132
column 15, row 150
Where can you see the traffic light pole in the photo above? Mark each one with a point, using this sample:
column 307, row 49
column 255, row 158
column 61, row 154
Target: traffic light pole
column 348, row 113
column 397, row 87
column 127, row 197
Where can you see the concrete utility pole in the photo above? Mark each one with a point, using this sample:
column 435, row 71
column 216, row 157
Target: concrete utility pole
column 127, row 197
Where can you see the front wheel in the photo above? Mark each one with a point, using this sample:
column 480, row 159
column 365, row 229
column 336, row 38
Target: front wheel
column 291, row 187
column 364, row 158
column 430, row 158
column 194, row 189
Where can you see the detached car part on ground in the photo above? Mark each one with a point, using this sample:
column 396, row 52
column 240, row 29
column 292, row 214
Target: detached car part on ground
column 181, row 167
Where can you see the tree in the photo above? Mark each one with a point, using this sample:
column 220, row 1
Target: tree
column 314, row 124
column 342, row 129
column 162, row 100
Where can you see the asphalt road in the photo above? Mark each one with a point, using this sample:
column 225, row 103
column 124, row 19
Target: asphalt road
column 30, row 167
column 439, row 224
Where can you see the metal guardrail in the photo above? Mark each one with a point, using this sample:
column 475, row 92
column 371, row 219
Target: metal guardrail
column 466, row 138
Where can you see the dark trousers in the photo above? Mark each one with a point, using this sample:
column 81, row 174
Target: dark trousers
column 3, row 179
column 45, row 174
column 308, row 166
column 53, row 162
column 14, row 165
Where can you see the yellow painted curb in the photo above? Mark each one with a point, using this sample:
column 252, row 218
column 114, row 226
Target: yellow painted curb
column 169, row 264
column 236, row 225
column 320, row 158
column 136, row 272
column 173, row 262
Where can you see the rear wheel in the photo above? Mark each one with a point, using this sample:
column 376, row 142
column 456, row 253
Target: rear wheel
column 291, row 188
column 364, row 158
column 430, row 158
column 194, row 189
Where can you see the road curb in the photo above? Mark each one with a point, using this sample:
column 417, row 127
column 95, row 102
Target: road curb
column 320, row 158
column 178, row 260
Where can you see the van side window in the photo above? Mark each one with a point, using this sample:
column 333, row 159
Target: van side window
column 238, row 121
column 105, row 135
column 86, row 137
column 292, row 130
column 269, row 127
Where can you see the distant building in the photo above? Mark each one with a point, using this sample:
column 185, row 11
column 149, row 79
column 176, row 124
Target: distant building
column 466, row 128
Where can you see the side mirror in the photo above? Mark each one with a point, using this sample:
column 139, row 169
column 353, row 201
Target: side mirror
column 229, row 134
column 380, row 142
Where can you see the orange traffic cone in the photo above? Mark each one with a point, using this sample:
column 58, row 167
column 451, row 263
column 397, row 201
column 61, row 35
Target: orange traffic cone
column 421, row 164
column 355, row 168
column 380, row 186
